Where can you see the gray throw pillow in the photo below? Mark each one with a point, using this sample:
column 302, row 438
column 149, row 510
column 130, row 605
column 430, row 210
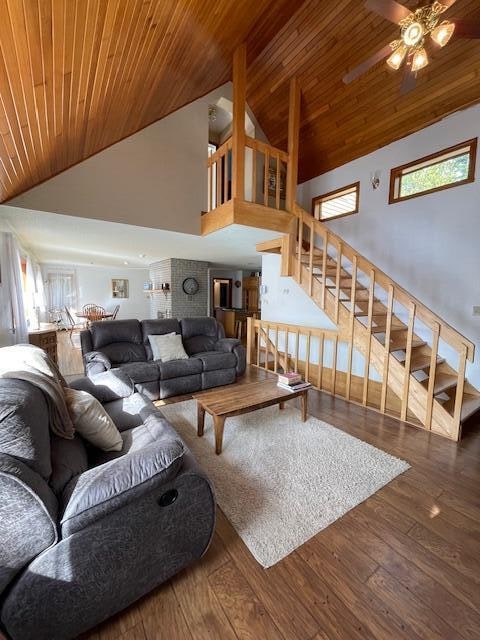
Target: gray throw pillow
column 167, row 347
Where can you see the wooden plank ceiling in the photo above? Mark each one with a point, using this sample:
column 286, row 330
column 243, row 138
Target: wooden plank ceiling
column 78, row 75
column 327, row 38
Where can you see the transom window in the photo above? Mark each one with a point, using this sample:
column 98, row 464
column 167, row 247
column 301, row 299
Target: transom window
column 338, row 203
column 448, row 168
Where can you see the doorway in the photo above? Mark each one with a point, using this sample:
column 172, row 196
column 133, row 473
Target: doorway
column 222, row 293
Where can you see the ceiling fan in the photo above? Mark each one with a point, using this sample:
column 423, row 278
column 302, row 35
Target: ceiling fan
column 416, row 29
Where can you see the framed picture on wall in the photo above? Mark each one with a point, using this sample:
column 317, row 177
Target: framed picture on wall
column 119, row 288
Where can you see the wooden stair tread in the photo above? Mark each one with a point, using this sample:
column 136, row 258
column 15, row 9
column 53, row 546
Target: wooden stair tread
column 396, row 325
column 443, row 382
column 400, row 344
column 470, row 405
column 420, row 362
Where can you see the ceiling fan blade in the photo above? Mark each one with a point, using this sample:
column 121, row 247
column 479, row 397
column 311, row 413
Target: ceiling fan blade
column 389, row 9
column 465, row 29
column 409, row 81
column 368, row 64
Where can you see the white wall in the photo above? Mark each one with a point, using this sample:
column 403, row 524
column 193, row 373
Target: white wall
column 155, row 178
column 94, row 285
column 431, row 244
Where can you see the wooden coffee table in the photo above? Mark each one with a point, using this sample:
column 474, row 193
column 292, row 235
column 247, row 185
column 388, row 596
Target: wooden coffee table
column 237, row 399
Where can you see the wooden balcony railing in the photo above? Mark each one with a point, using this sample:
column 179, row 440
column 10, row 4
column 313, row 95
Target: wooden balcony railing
column 220, row 175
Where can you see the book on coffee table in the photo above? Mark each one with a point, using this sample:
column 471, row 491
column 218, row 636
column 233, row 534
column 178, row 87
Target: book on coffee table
column 295, row 387
column 289, row 378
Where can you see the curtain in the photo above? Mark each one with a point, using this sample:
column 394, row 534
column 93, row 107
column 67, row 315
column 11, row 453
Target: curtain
column 13, row 323
column 35, row 305
column 61, row 291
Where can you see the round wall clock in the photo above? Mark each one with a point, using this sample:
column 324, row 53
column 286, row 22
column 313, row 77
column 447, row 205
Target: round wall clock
column 190, row 286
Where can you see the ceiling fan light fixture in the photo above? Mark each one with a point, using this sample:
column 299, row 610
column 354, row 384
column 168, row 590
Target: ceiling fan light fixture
column 396, row 59
column 442, row 34
column 413, row 33
column 420, row 60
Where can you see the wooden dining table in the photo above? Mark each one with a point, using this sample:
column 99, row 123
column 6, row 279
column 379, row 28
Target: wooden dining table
column 96, row 316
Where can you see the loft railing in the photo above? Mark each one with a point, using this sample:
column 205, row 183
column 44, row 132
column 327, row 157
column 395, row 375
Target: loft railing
column 265, row 171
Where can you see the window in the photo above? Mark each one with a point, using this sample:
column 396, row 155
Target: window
column 61, row 290
column 338, row 203
column 448, row 168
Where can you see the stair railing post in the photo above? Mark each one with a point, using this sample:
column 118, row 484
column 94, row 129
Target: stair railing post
column 249, row 339
column 300, row 246
column 431, row 375
column 352, row 327
column 457, row 411
column 386, row 361
column 366, row 372
column 407, row 364
column 337, row 280
column 324, row 268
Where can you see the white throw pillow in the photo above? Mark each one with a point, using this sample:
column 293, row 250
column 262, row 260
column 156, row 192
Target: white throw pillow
column 92, row 421
column 167, row 347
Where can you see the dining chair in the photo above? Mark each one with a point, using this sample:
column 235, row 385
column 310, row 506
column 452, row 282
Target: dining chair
column 115, row 312
column 93, row 312
column 72, row 325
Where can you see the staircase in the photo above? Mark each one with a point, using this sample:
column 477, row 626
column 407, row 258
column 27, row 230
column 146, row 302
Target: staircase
column 398, row 336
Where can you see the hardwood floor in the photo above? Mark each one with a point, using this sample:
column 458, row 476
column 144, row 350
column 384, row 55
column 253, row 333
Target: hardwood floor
column 403, row 565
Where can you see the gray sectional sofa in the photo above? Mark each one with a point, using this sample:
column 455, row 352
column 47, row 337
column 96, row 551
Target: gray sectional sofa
column 123, row 344
column 84, row 533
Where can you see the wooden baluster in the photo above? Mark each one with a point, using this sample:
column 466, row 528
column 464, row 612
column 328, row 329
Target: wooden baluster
column 254, row 175
column 218, row 198
column 310, row 261
column 457, row 411
column 225, row 176
column 287, row 356
column 307, row 358
column 265, row 179
column 275, row 355
column 408, row 359
column 337, row 280
column 320, row 360
column 366, row 371
column 353, row 293
column 296, row 351
column 277, row 183
column 386, row 361
column 257, row 326
column 210, row 187
column 334, row 363
column 299, row 245
column 324, row 268
column 267, row 346
column 249, row 340
column 431, row 375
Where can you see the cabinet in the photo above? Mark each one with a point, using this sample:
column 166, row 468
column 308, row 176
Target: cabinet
column 251, row 293
column 46, row 339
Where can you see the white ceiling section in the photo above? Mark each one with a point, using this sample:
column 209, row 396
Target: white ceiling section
column 56, row 238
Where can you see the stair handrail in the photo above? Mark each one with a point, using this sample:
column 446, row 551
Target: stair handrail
column 430, row 318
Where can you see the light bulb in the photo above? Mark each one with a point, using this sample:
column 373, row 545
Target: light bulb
column 442, row 34
column 420, row 60
column 397, row 57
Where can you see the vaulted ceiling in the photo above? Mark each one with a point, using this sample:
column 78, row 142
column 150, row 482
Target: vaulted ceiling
column 78, row 75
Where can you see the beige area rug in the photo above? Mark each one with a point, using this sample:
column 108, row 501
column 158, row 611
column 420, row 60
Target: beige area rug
column 280, row 481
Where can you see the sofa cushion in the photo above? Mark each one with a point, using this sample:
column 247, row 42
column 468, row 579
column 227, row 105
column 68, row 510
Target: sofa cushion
column 157, row 328
column 142, row 371
column 24, row 425
column 214, row 360
column 113, row 331
column 107, row 386
column 128, row 413
column 124, row 352
column 69, row 459
column 199, row 334
column 179, row 368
